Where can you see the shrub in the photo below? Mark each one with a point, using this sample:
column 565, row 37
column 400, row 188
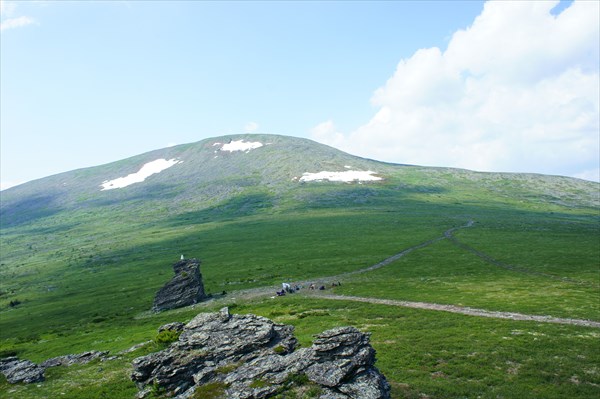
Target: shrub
column 167, row 336
column 212, row 390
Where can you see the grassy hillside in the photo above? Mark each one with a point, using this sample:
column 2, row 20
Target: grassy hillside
column 84, row 264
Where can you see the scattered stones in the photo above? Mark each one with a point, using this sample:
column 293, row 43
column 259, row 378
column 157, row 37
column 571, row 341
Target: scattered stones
column 68, row 360
column 251, row 357
column 185, row 288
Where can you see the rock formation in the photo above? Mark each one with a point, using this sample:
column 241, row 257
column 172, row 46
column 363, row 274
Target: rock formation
column 251, row 357
column 25, row 371
column 185, row 288
column 68, row 360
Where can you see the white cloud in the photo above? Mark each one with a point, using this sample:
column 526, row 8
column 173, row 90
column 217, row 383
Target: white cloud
column 592, row 175
column 8, row 18
column 516, row 91
column 251, row 127
column 15, row 22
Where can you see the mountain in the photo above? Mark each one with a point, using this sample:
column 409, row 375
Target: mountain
column 83, row 254
column 262, row 168
column 201, row 174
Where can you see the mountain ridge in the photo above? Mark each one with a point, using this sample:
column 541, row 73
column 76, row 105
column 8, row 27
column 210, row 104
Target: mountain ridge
column 204, row 170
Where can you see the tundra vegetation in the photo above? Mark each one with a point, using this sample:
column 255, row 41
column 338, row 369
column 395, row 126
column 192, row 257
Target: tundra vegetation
column 79, row 273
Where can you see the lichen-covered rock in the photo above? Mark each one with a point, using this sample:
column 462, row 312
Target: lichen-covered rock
column 185, row 288
column 25, row 371
column 250, row 357
column 68, row 360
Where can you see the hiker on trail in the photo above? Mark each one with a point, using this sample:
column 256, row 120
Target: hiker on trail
column 322, row 288
column 312, row 287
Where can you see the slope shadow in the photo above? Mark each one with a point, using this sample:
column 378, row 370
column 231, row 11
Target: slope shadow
column 238, row 206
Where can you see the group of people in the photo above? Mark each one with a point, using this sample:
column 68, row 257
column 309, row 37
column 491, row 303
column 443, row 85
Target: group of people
column 287, row 288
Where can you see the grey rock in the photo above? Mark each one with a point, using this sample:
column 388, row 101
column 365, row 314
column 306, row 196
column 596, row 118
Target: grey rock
column 185, row 288
column 68, row 360
column 253, row 357
column 25, row 371
column 175, row 326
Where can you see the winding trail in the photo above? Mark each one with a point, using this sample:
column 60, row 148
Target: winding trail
column 448, row 234
column 460, row 309
column 487, row 258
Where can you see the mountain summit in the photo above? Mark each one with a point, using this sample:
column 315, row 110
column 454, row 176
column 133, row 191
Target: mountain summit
column 263, row 167
column 205, row 172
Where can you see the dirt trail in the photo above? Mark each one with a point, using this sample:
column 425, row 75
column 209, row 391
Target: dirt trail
column 448, row 234
column 459, row 309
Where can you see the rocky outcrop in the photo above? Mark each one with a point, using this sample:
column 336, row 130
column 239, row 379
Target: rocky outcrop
column 251, row 357
column 25, row 371
column 68, row 360
column 185, row 288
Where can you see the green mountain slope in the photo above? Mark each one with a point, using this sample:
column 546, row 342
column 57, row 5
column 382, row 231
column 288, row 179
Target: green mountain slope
column 80, row 265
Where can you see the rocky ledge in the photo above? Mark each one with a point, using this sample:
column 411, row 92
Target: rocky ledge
column 251, row 357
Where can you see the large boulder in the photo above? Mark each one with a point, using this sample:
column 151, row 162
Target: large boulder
column 248, row 356
column 185, row 288
column 25, row 371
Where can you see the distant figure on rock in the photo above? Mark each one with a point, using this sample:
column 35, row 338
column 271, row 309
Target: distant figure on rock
column 182, row 258
column 185, row 288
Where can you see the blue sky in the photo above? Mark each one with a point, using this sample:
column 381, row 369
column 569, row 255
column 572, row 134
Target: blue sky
column 486, row 86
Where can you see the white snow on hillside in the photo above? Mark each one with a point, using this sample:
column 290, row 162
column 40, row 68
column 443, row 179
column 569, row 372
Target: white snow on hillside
column 346, row 176
column 241, row 145
column 147, row 170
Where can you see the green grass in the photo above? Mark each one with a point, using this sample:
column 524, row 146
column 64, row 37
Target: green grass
column 85, row 274
column 436, row 354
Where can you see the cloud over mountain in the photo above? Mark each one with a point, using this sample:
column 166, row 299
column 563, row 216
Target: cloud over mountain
column 516, row 91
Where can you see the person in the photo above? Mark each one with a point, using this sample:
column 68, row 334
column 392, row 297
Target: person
column 312, row 287
column 182, row 257
column 322, row 287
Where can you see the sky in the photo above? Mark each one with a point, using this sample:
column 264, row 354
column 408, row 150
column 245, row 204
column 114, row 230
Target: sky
column 489, row 86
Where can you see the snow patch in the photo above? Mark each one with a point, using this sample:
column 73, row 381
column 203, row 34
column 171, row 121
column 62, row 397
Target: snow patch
column 241, row 145
column 346, row 176
column 147, row 170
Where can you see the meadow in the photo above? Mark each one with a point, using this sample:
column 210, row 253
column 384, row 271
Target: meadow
column 85, row 280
